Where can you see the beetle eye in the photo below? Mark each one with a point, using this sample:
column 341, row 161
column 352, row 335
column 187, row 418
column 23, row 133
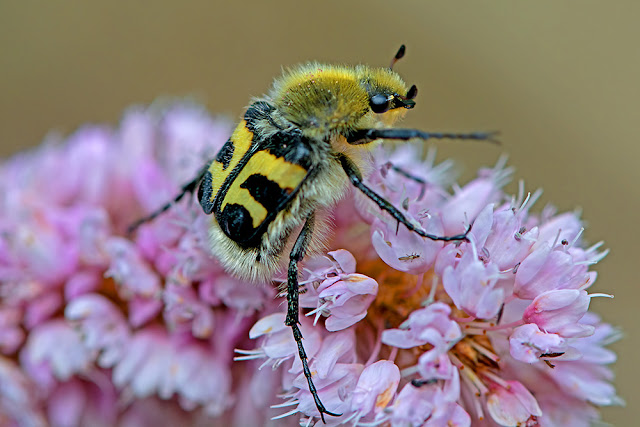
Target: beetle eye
column 379, row 103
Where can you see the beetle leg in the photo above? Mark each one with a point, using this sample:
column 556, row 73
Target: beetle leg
column 292, row 320
column 188, row 188
column 356, row 179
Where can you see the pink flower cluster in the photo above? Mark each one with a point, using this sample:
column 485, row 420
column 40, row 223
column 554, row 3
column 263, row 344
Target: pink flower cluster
column 493, row 331
column 101, row 328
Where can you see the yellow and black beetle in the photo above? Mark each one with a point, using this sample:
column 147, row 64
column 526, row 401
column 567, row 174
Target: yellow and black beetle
column 294, row 155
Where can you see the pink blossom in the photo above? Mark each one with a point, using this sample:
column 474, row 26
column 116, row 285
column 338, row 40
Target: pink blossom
column 11, row 335
column 335, row 347
column 430, row 325
column 473, row 285
column 17, row 403
column 55, row 347
column 559, row 312
column 342, row 296
column 375, row 388
column 102, row 325
column 511, row 404
column 507, row 241
column 546, row 269
column 470, row 200
column 427, row 405
column 99, row 327
column 412, row 406
column 529, row 343
column 404, row 250
column 335, row 391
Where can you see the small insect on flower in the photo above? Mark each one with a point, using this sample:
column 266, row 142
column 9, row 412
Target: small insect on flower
column 409, row 257
column 292, row 157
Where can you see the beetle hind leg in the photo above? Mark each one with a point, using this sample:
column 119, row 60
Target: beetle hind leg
column 292, row 319
column 188, row 188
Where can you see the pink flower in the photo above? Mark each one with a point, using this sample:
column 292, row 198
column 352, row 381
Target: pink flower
column 559, row 312
column 430, row 325
column 404, row 250
column 510, row 403
column 429, row 405
column 473, row 285
column 99, row 327
column 339, row 293
column 375, row 388
column 528, row 344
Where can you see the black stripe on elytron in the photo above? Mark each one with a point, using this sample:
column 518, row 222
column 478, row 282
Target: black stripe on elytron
column 222, row 191
column 225, row 154
column 205, row 192
column 266, row 192
column 240, row 229
column 290, row 145
column 245, row 235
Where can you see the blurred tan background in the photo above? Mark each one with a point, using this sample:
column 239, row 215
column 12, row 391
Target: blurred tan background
column 560, row 80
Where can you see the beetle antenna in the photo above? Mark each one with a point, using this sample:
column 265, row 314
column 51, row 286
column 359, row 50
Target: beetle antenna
column 398, row 56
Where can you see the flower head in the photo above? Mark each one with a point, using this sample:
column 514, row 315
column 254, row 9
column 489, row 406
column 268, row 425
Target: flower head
column 104, row 328
column 481, row 332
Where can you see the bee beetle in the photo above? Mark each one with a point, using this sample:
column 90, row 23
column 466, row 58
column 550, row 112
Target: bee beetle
column 294, row 155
